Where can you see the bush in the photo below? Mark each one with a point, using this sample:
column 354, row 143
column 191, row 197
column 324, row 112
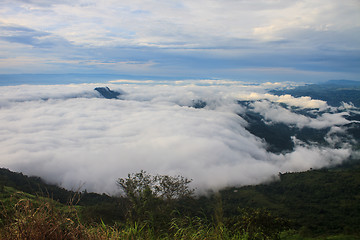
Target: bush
column 258, row 224
column 153, row 199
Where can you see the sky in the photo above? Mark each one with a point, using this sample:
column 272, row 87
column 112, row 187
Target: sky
column 257, row 40
column 69, row 135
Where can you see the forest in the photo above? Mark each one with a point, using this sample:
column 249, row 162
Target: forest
column 316, row 204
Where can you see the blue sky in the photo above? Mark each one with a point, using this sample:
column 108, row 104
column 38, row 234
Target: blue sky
column 272, row 40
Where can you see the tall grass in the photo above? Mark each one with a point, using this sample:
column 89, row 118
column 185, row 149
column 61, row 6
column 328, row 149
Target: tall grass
column 32, row 220
column 43, row 219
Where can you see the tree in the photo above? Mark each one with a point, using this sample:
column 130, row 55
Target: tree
column 172, row 188
column 153, row 197
column 161, row 186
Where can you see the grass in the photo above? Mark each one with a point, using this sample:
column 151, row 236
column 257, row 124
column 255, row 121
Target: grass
column 25, row 216
column 28, row 217
column 295, row 236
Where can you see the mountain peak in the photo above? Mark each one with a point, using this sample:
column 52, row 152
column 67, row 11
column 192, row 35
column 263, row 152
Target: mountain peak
column 107, row 93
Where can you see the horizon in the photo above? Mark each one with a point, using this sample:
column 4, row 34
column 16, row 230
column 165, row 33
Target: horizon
column 106, row 78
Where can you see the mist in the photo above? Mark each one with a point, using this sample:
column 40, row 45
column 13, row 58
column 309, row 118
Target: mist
column 71, row 136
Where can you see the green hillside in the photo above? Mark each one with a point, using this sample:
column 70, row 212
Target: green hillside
column 321, row 204
column 318, row 201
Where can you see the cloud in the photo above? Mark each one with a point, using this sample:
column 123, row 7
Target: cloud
column 270, row 40
column 132, row 81
column 69, row 135
column 305, row 158
column 275, row 113
column 27, row 36
column 303, row 102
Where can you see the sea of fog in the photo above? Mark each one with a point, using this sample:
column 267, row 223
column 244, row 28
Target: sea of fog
column 72, row 136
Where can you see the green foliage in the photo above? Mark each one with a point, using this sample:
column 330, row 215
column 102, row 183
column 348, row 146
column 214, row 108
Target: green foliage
column 258, row 224
column 321, row 203
column 318, row 201
column 165, row 187
column 142, row 188
column 170, row 188
column 153, row 199
column 191, row 228
column 33, row 185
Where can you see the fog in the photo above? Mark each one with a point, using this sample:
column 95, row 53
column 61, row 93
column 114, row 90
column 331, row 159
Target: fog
column 70, row 135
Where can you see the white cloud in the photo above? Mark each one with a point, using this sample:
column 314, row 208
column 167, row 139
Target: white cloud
column 278, row 114
column 192, row 23
column 304, row 158
column 314, row 17
column 76, row 137
column 273, row 112
column 267, row 40
column 303, row 102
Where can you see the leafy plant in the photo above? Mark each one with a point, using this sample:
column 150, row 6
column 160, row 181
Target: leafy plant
column 152, row 199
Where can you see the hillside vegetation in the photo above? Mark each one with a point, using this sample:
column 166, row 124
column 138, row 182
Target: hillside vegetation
column 323, row 204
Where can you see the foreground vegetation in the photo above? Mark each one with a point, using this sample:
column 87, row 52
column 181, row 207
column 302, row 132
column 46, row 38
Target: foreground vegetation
column 321, row 204
column 42, row 220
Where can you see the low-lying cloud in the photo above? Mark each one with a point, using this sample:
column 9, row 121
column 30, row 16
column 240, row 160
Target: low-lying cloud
column 278, row 114
column 70, row 135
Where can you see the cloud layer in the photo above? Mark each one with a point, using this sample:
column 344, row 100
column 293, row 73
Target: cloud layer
column 255, row 40
column 69, row 135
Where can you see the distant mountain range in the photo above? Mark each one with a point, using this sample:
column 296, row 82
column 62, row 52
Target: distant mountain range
column 334, row 92
column 349, row 83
